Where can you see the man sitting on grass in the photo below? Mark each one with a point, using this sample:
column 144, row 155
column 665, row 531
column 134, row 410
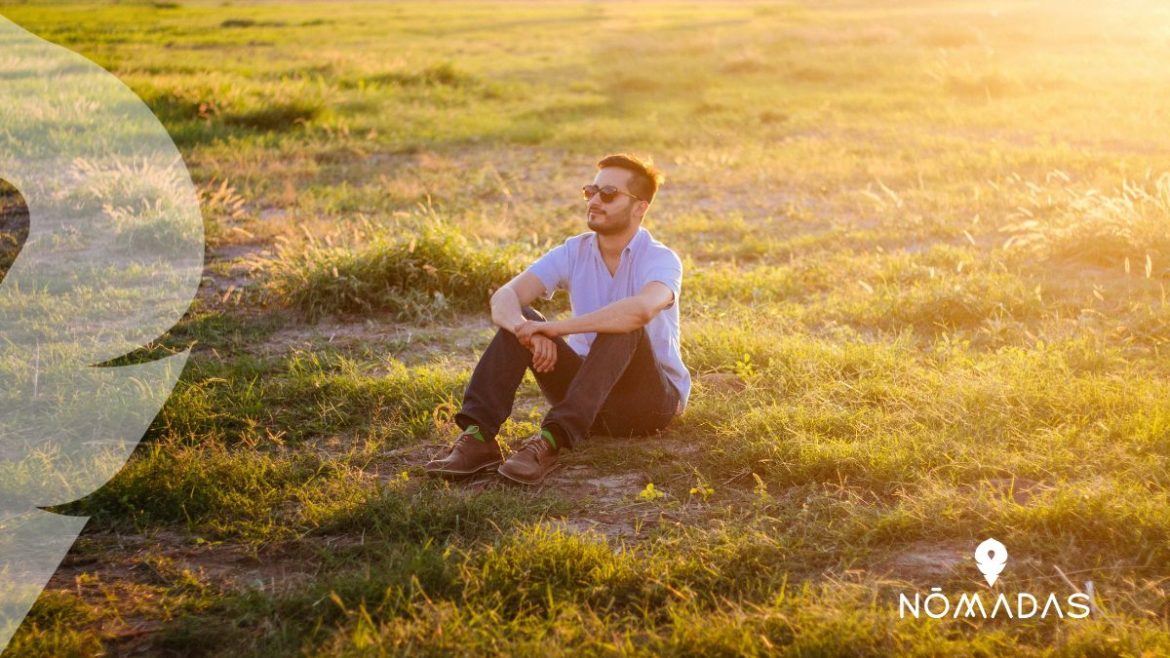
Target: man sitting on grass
column 619, row 373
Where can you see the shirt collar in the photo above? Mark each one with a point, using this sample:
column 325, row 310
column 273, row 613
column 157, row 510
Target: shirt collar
column 640, row 239
column 634, row 246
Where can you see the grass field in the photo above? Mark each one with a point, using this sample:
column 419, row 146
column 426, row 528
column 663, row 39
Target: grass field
column 926, row 253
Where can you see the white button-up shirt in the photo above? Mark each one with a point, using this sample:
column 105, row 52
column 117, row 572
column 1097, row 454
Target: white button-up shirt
column 577, row 266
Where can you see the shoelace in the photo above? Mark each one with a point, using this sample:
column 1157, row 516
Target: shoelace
column 463, row 438
column 536, row 445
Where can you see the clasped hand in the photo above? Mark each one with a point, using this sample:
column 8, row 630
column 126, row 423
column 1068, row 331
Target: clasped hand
column 538, row 338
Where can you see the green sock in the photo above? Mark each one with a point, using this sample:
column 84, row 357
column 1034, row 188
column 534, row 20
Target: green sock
column 473, row 430
column 548, row 436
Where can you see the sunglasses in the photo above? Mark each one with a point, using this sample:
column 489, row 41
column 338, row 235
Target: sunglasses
column 608, row 193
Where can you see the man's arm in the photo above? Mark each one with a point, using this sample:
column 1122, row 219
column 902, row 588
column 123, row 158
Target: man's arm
column 506, row 303
column 620, row 317
column 521, row 291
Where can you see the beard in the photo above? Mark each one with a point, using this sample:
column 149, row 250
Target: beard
column 611, row 223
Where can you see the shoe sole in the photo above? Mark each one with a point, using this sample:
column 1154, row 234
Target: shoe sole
column 459, row 474
column 532, row 483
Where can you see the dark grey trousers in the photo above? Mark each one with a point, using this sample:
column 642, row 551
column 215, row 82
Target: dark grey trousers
column 618, row 389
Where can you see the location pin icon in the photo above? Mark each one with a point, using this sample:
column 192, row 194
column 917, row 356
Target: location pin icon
column 991, row 557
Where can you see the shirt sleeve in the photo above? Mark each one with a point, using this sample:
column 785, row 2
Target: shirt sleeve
column 666, row 269
column 553, row 270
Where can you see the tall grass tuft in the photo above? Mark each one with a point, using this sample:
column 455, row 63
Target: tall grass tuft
column 1093, row 227
column 415, row 277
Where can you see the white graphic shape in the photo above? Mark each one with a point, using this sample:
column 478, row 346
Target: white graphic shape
column 991, row 557
column 112, row 260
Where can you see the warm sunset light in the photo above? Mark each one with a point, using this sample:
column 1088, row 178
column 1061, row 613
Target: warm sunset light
column 592, row 329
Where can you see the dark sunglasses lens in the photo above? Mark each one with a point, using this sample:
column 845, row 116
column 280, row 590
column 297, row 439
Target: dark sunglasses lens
column 607, row 193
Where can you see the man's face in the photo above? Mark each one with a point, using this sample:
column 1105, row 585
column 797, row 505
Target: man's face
column 615, row 217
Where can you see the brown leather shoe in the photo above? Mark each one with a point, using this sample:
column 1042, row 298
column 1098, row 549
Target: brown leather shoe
column 468, row 455
column 532, row 462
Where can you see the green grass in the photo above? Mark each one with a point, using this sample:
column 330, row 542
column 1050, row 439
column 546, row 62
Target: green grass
column 428, row 271
column 925, row 263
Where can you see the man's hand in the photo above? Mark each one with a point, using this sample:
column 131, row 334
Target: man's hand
column 544, row 353
column 538, row 338
column 529, row 328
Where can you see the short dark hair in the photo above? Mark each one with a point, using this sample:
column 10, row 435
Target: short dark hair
column 646, row 179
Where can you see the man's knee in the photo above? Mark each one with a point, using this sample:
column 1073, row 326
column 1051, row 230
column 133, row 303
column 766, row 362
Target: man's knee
column 532, row 314
column 529, row 314
column 626, row 338
column 511, row 344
